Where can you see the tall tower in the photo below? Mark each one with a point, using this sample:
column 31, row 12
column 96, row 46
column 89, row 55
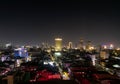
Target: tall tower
column 70, row 46
column 58, row 44
column 88, row 45
column 81, row 44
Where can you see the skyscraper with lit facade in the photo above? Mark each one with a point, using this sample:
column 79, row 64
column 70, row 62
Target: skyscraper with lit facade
column 81, row 44
column 88, row 45
column 58, row 44
column 70, row 46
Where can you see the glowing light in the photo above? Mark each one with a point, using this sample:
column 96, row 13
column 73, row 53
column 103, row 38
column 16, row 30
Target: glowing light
column 9, row 44
column 118, row 49
column 91, row 48
column 18, row 62
column 51, row 63
column 49, row 51
column 55, row 76
column 22, row 52
column 93, row 60
column 76, row 48
column 57, row 54
column 65, row 76
column 45, row 63
column 58, row 44
column 58, row 39
column 117, row 58
column 111, row 46
column 105, row 47
column 116, row 66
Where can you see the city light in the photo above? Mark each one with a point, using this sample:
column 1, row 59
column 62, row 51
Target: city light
column 111, row 46
column 58, row 39
column 105, row 47
column 58, row 44
column 91, row 48
column 57, row 54
column 118, row 49
column 116, row 66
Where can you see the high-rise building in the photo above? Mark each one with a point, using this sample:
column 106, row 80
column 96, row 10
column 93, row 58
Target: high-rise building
column 58, row 44
column 70, row 46
column 88, row 45
column 81, row 44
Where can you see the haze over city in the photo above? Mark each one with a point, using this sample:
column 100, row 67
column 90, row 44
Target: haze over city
column 28, row 22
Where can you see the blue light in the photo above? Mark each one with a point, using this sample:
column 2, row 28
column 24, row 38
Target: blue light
column 21, row 52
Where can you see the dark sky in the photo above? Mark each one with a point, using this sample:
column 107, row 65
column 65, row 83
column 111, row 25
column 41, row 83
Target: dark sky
column 30, row 22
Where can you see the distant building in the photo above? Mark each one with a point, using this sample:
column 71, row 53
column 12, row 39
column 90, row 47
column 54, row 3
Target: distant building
column 70, row 45
column 109, row 46
column 9, row 46
column 81, row 44
column 104, row 54
column 20, row 52
column 58, row 44
column 88, row 45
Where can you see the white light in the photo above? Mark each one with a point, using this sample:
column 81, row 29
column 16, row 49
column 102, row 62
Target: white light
column 105, row 47
column 91, row 48
column 93, row 59
column 118, row 49
column 51, row 63
column 111, row 46
column 117, row 58
column 58, row 39
column 76, row 48
column 57, row 53
column 45, row 63
column 25, row 50
column 116, row 66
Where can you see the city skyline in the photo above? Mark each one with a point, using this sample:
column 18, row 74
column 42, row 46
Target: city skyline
column 31, row 22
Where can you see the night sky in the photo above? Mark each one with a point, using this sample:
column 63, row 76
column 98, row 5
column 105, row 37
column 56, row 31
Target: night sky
column 30, row 22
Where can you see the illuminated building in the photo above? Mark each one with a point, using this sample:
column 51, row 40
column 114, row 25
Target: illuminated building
column 104, row 47
column 117, row 48
column 88, row 46
column 8, row 45
column 70, row 46
column 58, row 44
column 81, row 44
column 21, row 52
column 111, row 46
column 18, row 62
column 104, row 54
column 93, row 57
